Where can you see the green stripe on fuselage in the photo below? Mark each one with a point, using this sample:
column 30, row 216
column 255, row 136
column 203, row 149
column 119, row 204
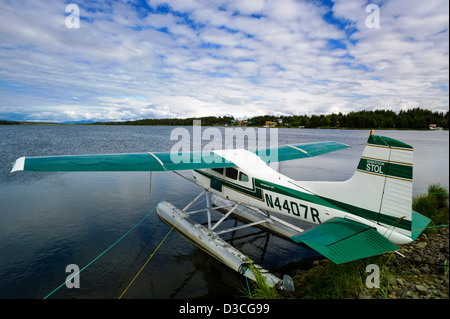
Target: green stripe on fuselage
column 283, row 190
column 365, row 213
column 253, row 192
column 258, row 185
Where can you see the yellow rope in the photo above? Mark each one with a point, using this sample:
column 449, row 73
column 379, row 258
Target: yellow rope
column 150, row 258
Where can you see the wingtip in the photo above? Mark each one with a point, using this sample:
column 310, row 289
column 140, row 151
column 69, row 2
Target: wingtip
column 18, row 165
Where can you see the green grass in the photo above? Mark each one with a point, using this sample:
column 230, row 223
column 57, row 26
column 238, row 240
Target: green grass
column 326, row 281
column 260, row 289
column 433, row 205
column 344, row 281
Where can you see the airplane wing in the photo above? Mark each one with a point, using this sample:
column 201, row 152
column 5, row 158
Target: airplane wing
column 122, row 162
column 342, row 240
column 164, row 161
column 297, row 151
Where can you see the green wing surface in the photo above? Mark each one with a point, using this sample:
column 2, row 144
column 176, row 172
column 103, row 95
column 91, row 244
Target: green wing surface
column 164, row 161
column 297, row 151
column 122, row 162
column 343, row 240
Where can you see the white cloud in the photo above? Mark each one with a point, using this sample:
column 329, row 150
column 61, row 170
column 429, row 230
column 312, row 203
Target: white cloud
column 221, row 57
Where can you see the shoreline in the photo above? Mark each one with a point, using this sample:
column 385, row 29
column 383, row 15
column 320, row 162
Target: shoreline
column 244, row 127
column 420, row 274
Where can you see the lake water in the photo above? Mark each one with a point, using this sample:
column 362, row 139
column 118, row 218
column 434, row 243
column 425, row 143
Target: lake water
column 51, row 220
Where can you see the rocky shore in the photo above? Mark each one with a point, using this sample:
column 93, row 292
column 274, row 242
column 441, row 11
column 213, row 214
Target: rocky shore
column 423, row 271
column 420, row 272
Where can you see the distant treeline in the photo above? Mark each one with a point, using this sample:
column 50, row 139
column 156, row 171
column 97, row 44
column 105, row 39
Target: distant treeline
column 206, row 121
column 4, row 122
column 411, row 119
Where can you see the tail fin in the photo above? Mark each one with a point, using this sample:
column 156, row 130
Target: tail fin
column 380, row 189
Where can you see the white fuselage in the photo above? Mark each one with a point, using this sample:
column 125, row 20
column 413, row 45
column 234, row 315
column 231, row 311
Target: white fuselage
column 253, row 183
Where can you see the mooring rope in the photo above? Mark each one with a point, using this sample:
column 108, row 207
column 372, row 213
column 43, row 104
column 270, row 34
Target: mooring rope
column 156, row 249
column 246, row 280
column 117, row 241
column 142, row 268
column 437, row 226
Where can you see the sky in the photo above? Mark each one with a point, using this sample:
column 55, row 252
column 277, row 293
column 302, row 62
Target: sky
column 129, row 60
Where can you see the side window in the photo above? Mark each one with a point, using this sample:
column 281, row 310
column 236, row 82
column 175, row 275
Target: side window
column 231, row 173
column 218, row 170
column 243, row 177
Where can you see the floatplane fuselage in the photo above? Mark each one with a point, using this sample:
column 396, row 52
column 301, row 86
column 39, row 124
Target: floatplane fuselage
column 257, row 185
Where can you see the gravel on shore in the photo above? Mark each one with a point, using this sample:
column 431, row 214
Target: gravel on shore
column 418, row 271
column 422, row 272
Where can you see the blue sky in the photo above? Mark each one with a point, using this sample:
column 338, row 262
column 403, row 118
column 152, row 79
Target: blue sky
column 184, row 58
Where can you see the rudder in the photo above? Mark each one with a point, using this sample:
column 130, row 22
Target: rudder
column 397, row 159
column 381, row 188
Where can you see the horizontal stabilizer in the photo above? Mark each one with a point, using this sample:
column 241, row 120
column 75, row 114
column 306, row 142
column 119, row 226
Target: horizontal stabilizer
column 343, row 240
column 419, row 222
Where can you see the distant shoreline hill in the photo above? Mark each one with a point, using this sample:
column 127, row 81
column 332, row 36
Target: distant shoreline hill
column 411, row 119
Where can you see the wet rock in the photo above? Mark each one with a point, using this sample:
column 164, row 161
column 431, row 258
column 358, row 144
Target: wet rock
column 421, row 289
column 392, row 280
column 425, row 269
column 364, row 295
column 421, row 245
column 415, row 271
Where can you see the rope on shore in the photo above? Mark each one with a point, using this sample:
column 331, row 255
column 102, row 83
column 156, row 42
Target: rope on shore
column 117, row 241
column 437, row 226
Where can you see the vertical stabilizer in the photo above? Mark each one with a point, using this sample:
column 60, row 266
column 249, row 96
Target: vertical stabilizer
column 396, row 202
column 381, row 188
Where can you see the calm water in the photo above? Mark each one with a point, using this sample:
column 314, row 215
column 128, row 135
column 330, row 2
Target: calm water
column 51, row 220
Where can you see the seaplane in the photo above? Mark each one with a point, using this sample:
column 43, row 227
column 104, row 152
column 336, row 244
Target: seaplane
column 366, row 215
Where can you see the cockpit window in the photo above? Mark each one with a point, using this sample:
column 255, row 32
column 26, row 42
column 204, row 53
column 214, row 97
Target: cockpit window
column 218, row 170
column 231, row 172
column 243, row 177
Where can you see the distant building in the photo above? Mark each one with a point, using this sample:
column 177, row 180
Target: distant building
column 270, row 124
column 435, row 127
